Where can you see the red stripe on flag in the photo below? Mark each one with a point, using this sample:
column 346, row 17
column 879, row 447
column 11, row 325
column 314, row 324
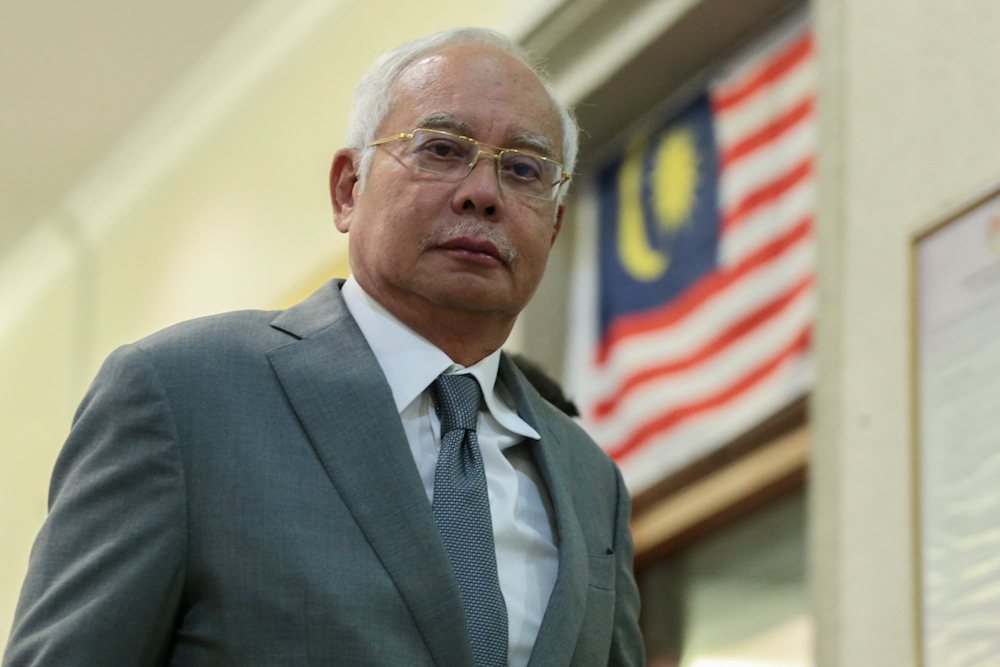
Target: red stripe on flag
column 767, row 193
column 769, row 132
column 777, row 67
column 681, row 413
column 681, row 306
column 726, row 338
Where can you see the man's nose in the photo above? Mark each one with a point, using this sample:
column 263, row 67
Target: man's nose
column 480, row 191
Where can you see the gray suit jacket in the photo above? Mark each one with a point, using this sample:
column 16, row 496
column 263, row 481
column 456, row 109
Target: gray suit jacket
column 238, row 490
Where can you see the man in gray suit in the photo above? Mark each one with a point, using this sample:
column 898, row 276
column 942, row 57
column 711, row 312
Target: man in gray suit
column 362, row 479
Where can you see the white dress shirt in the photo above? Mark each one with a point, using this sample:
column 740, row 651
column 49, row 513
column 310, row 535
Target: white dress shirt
column 521, row 510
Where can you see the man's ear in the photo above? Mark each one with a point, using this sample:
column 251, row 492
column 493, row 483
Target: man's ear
column 559, row 220
column 343, row 184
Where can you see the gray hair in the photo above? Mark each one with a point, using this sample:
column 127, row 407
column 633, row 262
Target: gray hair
column 372, row 97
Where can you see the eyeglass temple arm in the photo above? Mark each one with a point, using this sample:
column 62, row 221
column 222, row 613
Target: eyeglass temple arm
column 401, row 135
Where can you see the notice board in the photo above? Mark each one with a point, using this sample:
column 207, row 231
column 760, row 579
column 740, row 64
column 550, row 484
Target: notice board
column 957, row 426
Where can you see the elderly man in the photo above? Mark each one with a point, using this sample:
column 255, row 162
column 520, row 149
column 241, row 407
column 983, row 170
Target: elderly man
column 362, row 479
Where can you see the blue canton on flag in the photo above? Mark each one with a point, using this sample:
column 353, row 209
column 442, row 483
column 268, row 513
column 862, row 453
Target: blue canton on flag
column 659, row 225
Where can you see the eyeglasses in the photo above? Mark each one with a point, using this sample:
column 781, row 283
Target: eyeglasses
column 452, row 157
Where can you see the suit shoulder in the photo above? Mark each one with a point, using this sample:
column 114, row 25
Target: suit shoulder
column 248, row 330
column 216, row 346
column 195, row 363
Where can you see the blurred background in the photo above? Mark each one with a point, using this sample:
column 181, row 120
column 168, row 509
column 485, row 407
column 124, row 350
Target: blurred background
column 730, row 302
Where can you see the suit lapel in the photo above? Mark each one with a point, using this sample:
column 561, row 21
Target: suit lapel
column 564, row 614
column 338, row 392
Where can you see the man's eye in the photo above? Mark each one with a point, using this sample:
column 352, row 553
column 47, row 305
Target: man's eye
column 524, row 169
column 443, row 150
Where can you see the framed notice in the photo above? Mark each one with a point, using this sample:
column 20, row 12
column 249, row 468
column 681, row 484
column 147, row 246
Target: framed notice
column 957, row 427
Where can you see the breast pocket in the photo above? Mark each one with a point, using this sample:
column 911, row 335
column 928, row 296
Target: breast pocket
column 602, row 571
column 594, row 640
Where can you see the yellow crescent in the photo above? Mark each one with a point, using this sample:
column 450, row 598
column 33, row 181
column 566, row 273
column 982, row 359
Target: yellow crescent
column 641, row 260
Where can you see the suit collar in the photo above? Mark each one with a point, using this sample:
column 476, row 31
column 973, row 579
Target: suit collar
column 563, row 619
column 322, row 309
column 337, row 390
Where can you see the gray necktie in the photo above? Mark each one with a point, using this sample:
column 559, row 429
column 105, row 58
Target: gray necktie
column 462, row 511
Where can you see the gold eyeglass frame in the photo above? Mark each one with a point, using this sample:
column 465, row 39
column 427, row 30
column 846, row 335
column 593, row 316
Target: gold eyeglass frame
column 499, row 151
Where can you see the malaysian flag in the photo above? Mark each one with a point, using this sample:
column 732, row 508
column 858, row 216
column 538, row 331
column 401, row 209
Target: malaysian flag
column 694, row 299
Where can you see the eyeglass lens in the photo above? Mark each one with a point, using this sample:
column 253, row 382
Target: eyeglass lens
column 454, row 157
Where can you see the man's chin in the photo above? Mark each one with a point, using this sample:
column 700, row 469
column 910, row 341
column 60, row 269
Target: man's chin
column 474, row 295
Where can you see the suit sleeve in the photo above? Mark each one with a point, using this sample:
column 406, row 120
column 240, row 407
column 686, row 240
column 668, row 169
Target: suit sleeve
column 106, row 572
column 627, row 646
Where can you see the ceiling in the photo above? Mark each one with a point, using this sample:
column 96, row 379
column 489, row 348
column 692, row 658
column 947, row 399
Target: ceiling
column 76, row 77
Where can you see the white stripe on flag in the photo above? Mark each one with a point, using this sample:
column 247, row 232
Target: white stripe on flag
column 702, row 434
column 760, row 286
column 710, row 377
column 764, row 165
column 766, row 104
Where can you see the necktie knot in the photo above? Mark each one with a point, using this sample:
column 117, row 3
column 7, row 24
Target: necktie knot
column 456, row 399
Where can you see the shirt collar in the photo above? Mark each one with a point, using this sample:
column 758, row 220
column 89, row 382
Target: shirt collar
column 411, row 363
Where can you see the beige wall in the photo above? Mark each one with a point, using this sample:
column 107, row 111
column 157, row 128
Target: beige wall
column 910, row 117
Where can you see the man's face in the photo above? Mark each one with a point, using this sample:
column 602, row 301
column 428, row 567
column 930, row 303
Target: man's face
column 419, row 242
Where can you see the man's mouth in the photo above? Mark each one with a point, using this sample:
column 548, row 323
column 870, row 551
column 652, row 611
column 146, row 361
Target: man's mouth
column 475, row 249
